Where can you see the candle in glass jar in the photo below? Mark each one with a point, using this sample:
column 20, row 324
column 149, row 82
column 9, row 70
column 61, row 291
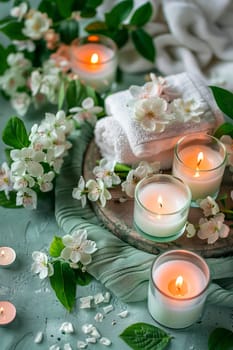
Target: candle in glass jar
column 7, row 256
column 179, row 280
column 200, row 162
column 94, row 59
column 7, row 312
column 161, row 207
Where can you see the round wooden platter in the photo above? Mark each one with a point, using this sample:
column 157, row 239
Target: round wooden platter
column 118, row 218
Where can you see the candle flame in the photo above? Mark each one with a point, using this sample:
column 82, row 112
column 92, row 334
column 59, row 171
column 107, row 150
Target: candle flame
column 2, row 253
column 160, row 201
column 179, row 282
column 94, row 58
column 1, row 310
column 200, row 158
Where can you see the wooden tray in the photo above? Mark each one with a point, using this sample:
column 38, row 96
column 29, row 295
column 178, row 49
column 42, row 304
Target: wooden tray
column 118, row 218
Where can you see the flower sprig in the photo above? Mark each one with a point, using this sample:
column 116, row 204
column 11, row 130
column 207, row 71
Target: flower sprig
column 66, row 264
column 36, row 66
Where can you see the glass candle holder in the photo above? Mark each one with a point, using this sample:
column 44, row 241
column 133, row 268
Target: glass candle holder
column 177, row 289
column 161, row 207
column 94, row 59
column 200, row 162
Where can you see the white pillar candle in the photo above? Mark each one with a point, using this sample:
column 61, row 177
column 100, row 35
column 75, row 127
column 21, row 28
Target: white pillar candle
column 177, row 290
column 94, row 59
column 161, row 207
column 7, row 312
column 200, row 162
column 7, row 256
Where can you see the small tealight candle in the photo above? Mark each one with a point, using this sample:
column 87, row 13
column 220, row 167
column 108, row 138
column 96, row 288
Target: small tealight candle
column 7, row 256
column 161, row 207
column 7, row 312
column 200, row 162
column 94, row 59
column 177, row 289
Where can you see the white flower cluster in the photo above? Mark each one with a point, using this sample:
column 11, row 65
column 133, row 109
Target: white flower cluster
column 77, row 250
column 155, row 105
column 212, row 226
column 87, row 112
column 34, row 167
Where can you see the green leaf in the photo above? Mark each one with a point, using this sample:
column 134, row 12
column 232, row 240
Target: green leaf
column 15, row 134
column 220, row 339
column 82, row 278
column 120, row 37
column 3, row 56
column 50, row 7
column 118, row 14
column 61, row 95
column 13, row 30
column 144, row 336
column 96, row 27
column 144, row 44
column 56, row 247
column 224, row 129
column 65, row 7
column 224, row 100
column 68, row 30
column 64, row 284
column 142, row 15
column 8, row 203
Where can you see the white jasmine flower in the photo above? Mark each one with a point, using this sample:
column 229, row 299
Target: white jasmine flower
column 87, row 112
column 45, row 181
column 41, row 265
column 19, row 11
column 26, row 197
column 11, row 80
column 97, row 191
column 36, row 24
column 27, row 159
column 18, row 61
column 78, row 248
column 209, row 206
column 20, row 102
column 27, row 45
column 191, row 231
column 23, row 181
column 6, row 183
column 187, row 110
column 213, row 229
column 153, row 88
column 50, row 86
column 105, row 172
column 79, row 192
column 67, row 328
column 152, row 114
column 228, row 142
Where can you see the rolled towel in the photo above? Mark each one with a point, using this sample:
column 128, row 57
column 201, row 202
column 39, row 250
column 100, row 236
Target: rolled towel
column 113, row 144
column 146, row 144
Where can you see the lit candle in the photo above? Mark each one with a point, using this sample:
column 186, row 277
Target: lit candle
column 7, row 256
column 7, row 312
column 94, row 59
column 200, row 162
column 177, row 290
column 161, row 207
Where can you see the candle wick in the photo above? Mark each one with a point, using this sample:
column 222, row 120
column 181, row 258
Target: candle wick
column 2, row 252
column 199, row 162
column 160, row 204
column 1, row 310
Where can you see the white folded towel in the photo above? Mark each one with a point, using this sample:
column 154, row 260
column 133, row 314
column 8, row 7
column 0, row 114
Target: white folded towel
column 146, row 144
column 113, row 144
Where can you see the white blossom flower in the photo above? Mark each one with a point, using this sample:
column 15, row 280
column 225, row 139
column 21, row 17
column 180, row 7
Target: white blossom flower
column 105, row 172
column 45, row 181
column 11, row 80
column 228, row 142
column 6, row 183
column 97, row 191
column 135, row 175
column 152, row 114
column 87, row 112
column 78, row 248
column 41, row 265
column 35, row 82
column 191, row 230
column 209, row 206
column 26, row 197
column 18, row 61
column 36, row 24
column 27, row 160
column 213, row 229
column 23, row 181
column 187, row 110
column 24, row 45
column 79, row 192
column 19, row 11
column 20, row 102
column 153, row 88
